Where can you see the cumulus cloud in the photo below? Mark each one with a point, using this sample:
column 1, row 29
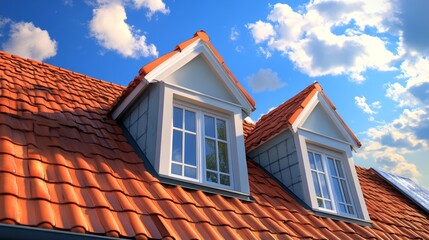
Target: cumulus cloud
column 261, row 31
column 153, row 6
column 27, row 40
column 328, row 37
column 234, row 34
column 108, row 26
column 265, row 80
column 367, row 108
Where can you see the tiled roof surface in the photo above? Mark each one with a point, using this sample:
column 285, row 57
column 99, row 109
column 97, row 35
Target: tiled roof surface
column 64, row 164
column 202, row 35
column 285, row 115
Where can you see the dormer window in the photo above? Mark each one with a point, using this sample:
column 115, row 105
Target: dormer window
column 330, row 182
column 200, row 148
column 185, row 113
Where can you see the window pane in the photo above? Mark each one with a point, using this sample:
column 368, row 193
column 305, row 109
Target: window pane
column 316, row 184
column 211, row 155
column 320, row 203
column 221, row 129
column 211, row 177
column 190, row 172
column 177, row 146
column 339, row 168
column 190, row 149
column 324, row 186
column 345, row 192
column 223, row 157
column 190, row 121
column 176, row 169
column 337, row 190
column 328, row 204
column 177, row 117
column 209, row 126
column 350, row 209
column 343, row 208
column 332, row 167
column 312, row 164
column 319, row 164
column 224, row 179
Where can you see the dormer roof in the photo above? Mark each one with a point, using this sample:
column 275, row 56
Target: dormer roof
column 150, row 67
column 285, row 116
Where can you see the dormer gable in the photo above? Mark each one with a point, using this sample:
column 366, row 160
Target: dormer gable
column 184, row 112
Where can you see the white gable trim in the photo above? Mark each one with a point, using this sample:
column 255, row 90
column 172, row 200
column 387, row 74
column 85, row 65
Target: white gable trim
column 186, row 55
column 129, row 99
column 319, row 98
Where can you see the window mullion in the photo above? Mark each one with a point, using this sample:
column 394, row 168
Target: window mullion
column 328, row 181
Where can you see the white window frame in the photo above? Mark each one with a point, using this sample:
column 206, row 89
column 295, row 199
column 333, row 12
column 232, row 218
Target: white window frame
column 325, row 154
column 200, row 144
column 306, row 140
column 170, row 95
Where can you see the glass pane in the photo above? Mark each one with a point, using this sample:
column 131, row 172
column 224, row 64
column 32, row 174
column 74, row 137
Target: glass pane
column 190, row 172
column 190, row 121
column 343, row 208
column 324, row 186
column 176, row 169
column 337, row 190
column 177, row 146
column 190, row 149
column 312, row 164
column 332, row 167
column 221, row 129
column 223, row 157
column 211, row 177
column 209, row 126
column 350, row 209
column 328, row 204
column 345, row 192
column 211, row 155
column 224, row 179
column 339, row 168
column 320, row 202
column 178, row 117
column 316, row 184
column 319, row 162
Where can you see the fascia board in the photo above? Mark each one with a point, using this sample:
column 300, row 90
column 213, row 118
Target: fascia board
column 129, row 99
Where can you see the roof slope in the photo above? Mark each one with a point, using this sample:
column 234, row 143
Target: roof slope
column 64, row 164
column 285, row 115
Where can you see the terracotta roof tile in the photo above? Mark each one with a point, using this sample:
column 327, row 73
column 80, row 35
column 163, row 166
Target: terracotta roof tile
column 64, row 164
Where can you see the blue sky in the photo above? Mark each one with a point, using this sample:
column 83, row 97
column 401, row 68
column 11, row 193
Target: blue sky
column 371, row 57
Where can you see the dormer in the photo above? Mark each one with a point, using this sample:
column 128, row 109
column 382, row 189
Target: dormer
column 184, row 111
column 307, row 147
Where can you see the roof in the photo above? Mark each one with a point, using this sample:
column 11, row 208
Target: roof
column 282, row 117
column 66, row 165
column 200, row 35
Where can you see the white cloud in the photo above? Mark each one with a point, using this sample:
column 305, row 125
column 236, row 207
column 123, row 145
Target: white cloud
column 108, row 26
column 153, row 6
column 366, row 108
column 261, row 31
column 265, row 80
column 234, row 34
column 328, row 37
column 27, row 40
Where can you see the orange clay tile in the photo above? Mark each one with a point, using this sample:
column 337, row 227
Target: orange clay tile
column 283, row 117
column 65, row 165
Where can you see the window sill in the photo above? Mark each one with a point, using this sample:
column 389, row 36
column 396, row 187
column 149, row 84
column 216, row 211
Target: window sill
column 343, row 218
